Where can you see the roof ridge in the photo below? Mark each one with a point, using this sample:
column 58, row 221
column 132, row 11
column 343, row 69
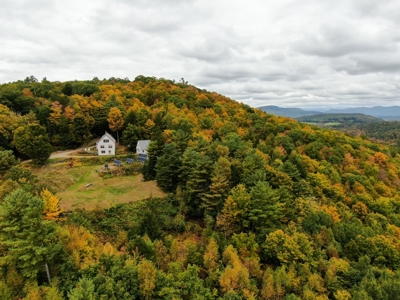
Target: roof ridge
column 109, row 136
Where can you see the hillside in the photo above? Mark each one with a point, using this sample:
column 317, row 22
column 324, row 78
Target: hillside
column 256, row 207
column 339, row 119
column 388, row 132
column 287, row 112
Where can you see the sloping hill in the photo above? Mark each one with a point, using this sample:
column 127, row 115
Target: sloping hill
column 287, row 112
column 257, row 206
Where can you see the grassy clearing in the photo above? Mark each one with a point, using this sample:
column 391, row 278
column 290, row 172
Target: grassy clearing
column 70, row 185
column 333, row 124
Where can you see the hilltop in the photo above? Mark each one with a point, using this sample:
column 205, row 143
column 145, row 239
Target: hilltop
column 256, row 207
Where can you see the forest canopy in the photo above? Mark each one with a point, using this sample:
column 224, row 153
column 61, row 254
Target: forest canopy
column 258, row 206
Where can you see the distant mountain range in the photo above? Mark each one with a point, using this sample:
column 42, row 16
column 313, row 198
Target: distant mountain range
column 390, row 113
column 287, row 112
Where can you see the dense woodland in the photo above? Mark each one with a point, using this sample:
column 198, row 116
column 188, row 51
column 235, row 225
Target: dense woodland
column 258, row 206
column 388, row 132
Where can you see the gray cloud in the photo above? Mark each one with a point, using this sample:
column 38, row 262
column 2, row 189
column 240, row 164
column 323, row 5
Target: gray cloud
column 292, row 53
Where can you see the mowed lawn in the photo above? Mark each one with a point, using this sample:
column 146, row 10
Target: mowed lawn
column 70, row 185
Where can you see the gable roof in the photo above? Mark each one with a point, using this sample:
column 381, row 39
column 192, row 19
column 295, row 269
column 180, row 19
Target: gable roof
column 108, row 136
column 143, row 144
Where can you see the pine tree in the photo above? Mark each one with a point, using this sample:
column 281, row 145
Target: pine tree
column 25, row 236
column 198, row 181
column 253, row 170
column 167, row 168
column 265, row 210
column 83, row 291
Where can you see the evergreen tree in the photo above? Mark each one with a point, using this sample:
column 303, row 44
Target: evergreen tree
column 167, row 168
column 253, row 170
column 83, row 291
column 130, row 136
column 81, row 129
column 28, row 239
column 198, row 182
column 153, row 152
column 265, row 210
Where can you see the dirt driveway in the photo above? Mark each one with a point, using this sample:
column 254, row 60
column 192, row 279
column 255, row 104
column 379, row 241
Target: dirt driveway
column 69, row 153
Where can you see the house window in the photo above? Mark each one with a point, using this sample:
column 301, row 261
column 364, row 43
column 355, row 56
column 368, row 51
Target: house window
column 102, row 146
column 106, row 141
column 103, row 151
column 109, row 151
column 109, row 146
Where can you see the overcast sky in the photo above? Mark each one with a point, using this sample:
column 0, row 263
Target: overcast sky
column 308, row 53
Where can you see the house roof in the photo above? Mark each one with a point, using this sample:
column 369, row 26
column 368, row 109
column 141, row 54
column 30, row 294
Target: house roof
column 108, row 136
column 143, row 144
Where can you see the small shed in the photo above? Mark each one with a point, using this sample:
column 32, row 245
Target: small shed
column 106, row 145
column 141, row 146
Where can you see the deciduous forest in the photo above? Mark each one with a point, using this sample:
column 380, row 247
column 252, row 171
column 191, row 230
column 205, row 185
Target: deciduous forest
column 257, row 206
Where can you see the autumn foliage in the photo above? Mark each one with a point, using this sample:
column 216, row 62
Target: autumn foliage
column 258, row 206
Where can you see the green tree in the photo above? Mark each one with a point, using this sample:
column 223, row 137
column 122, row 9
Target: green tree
column 253, row 170
column 265, row 209
column 81, row 127
column 191, row 286
column 130, row 136
column 33, row 141
column 22, row 176
column 7, row 160
column 153, row 152
column 198, row 182
column 167, row 168
column 28, row 240
column 83, row 291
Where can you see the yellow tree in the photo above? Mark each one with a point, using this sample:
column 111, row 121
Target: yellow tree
column 115, row 120
column 51, row 204
column 147, row 277
column 56, row 112
column 211, row 257
column 235, row 277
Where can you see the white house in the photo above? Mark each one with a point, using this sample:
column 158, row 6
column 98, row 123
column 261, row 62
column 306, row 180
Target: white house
column 106, row 145
column 141, row 146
